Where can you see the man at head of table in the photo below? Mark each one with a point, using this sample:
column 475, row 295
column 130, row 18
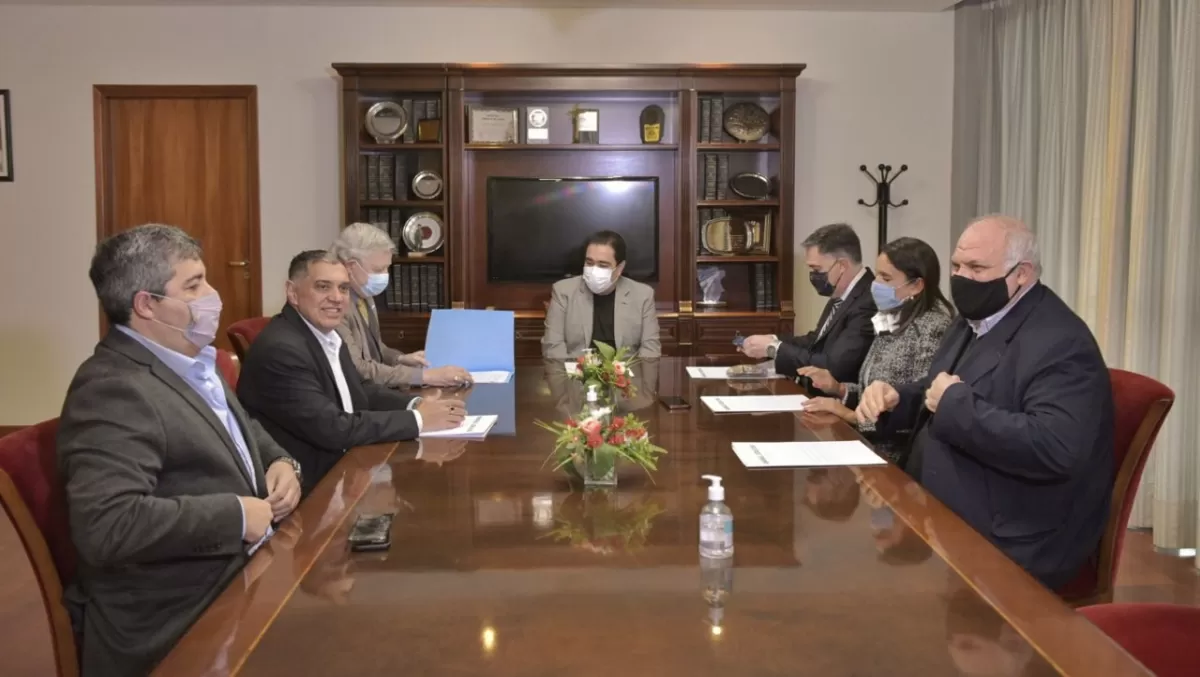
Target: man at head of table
column 1013, row 425
column 844, row 334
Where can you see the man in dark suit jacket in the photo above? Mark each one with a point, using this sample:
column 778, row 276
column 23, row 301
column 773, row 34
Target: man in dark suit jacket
column 844, row 333
column 298, row 379
column 1014, row 424
column 169, row 484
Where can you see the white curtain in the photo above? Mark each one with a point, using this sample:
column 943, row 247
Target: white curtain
column 1082, row 117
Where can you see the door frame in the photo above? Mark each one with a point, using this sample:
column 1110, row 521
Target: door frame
column 103, row 94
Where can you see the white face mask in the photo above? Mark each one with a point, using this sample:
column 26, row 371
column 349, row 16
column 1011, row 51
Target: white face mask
column 597, row 279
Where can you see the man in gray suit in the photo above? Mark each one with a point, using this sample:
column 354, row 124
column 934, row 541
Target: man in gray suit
column 601, row 305
column 169, row 484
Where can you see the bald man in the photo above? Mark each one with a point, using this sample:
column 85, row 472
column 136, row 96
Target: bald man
column 1013, row 426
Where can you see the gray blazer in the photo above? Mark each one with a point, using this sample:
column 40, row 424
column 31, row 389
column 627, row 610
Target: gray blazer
column 569, row 319
column 374, row 361
column 152, row 484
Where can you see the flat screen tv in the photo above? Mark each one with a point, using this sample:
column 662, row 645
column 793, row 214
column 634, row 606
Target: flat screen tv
column 536, row 228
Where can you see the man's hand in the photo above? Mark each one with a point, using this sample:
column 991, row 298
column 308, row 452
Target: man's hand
column 876, row 399
column 933, row 395
column 283, row 489
column 756, row 346
column 439, row 413
column 822, row 380
column 416, row 359
column 258, row 517
column 828, row 405
column 447, row 376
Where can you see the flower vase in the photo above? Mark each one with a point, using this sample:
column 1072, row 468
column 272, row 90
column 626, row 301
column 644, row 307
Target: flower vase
column 598, row 469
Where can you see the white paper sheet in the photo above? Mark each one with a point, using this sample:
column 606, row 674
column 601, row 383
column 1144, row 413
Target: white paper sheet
column 571, row 367
column 805, row 454
column 724, row 404
column 722, row 373
column 491, row 376
column 472, row 427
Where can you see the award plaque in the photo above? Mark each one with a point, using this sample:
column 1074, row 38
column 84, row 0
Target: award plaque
column 429, row 131
column 386, row 121
column 587, row 125
column 492, row 126
column 537, row 124
column 427, row 185
column 423, row 233
column 652, row 124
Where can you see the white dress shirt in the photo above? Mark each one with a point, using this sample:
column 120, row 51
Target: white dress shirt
column 331, row 344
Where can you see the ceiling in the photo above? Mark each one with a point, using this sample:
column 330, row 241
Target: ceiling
column 836, row 5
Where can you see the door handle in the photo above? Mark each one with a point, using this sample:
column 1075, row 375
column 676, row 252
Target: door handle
column 238, row 264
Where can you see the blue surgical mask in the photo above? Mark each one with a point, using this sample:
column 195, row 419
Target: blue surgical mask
column 376, row 283
column 885, row 295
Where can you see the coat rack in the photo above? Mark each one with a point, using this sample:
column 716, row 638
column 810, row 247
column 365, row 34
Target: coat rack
column 883, row 196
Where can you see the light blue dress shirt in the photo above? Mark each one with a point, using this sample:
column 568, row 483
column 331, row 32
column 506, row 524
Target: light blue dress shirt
column 201, row 374
column 985, row 325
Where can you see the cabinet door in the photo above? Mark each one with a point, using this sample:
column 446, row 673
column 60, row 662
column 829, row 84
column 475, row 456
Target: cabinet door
column 715, row 336
column 528, row 340
column 405, row 335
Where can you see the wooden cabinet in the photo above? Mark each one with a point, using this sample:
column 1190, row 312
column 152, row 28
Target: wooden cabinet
column 694, row 164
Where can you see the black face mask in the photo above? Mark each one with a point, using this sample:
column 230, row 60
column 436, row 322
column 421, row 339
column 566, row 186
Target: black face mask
column 977, row 300
column 820, row 281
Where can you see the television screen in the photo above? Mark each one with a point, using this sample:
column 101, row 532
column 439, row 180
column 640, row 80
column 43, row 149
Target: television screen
column 537, row 227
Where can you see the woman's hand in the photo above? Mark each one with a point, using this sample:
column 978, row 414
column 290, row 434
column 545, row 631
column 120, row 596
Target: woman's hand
column 829, row 405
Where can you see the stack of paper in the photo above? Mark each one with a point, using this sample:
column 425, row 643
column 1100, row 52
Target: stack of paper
column 805, row 454
column 748, row 404
column 713, row 373
column 472, row 427
column 491, row 376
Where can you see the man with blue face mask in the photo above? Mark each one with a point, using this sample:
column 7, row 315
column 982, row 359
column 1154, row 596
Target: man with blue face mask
column 367, row 252
column 169, row 484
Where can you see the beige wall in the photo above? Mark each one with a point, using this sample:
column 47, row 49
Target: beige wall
column 878, row 89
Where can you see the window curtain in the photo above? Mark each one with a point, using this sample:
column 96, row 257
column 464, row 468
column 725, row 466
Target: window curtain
column 1082, row 117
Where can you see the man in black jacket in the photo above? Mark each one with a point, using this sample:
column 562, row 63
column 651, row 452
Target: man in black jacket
column 844, row 333
column 299, row 382
column 1013, row 426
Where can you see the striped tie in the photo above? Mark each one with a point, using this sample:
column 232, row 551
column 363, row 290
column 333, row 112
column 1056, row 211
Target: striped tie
column 829, row 320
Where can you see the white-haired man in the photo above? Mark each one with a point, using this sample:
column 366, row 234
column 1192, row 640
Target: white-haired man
column 1013, row 426
column 367, row 252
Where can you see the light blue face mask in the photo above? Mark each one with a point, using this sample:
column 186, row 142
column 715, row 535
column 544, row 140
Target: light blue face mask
column 885, row 295
column 376, row 283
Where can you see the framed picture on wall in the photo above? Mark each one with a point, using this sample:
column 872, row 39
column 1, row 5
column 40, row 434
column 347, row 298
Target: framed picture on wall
column 6, row 160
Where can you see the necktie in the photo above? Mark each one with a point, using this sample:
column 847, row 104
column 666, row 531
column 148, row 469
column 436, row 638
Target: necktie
column 362, row 310
column 829, row 320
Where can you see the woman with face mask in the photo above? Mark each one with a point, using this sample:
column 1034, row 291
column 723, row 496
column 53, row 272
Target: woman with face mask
column 913, row 315
column 601, row 305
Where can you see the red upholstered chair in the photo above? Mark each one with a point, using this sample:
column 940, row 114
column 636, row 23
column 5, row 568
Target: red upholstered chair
column 229, row 366
column 1161, row 636
column 35, row 501
column 1141, row 406
column 243, row 332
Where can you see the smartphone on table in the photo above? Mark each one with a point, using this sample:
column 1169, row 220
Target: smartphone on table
column 674, row 402
column 371, row 532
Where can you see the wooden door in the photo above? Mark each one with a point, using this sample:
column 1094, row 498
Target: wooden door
column 186, row 156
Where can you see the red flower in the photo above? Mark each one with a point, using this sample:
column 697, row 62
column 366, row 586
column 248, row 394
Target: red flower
column 617, row 422
column 621, row 382
column 581, row 360
column 594, row 440
column 571, row 423
column 617, row 439
column 591, row 427
column 636, row 433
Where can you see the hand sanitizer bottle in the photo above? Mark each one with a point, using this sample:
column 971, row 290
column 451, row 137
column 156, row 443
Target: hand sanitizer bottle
column 716, row 522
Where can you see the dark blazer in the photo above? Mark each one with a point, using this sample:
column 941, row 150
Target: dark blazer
column 1022, row 450
column 287, row 385
column 152, row 484
column 844, row 347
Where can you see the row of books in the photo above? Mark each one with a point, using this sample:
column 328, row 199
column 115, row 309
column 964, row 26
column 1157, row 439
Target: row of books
column 390, row 220
column 764, row 287
column 716, row 176
column 712, row 118
column 416, row 288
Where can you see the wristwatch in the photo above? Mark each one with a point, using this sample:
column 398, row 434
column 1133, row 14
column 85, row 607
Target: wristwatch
column 295, row 466
column 773, row 348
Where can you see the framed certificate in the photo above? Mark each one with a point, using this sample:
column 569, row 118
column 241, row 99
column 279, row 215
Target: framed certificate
column 493, row 126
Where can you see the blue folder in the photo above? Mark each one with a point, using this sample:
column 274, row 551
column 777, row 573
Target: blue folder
column 476, row 340
column 499, row 399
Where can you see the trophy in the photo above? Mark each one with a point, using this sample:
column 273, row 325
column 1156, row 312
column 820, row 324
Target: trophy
column 652, row 124
column 710, row 286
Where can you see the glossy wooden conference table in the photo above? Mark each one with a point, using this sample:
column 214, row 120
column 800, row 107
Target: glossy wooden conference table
column 498, row 568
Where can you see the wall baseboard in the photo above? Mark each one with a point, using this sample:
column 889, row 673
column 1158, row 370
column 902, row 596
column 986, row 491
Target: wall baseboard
column 6, row 429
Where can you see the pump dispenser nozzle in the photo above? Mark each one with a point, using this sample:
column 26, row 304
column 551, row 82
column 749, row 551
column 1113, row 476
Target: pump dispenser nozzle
column 716, row 492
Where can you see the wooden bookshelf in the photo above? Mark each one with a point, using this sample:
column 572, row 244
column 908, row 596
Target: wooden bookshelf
column 376, row 180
